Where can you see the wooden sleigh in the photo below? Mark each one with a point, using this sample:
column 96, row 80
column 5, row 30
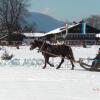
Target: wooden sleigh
column 86, row 64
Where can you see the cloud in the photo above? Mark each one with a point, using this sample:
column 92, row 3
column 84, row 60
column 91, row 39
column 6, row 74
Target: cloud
column 44, row 11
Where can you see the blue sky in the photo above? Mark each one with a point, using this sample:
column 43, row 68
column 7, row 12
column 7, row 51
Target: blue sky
column 66, row 9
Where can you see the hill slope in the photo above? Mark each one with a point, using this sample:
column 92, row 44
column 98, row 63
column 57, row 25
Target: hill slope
column 41, row 22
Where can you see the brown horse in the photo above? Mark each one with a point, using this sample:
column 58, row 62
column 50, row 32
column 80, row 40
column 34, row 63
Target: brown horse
column 49, row 50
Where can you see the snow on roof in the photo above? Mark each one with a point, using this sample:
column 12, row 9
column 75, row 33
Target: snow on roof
column 58, row 30
column 33, row 34
column 98, row 35
column 3, row 37
column 70, row 26
column 55, row 31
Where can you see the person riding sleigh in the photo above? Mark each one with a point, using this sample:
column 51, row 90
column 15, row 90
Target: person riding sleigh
column 96, row 60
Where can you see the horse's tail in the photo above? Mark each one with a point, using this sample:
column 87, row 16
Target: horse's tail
column 71, row 54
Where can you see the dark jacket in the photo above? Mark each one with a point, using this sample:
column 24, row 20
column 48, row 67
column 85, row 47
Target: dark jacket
column 97, row 57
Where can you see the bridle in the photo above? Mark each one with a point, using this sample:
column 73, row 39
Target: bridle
column 41, row 46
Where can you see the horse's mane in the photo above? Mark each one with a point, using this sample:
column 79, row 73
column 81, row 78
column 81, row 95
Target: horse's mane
column 50, row 44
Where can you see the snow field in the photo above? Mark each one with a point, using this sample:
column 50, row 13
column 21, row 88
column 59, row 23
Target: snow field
column 19, row 81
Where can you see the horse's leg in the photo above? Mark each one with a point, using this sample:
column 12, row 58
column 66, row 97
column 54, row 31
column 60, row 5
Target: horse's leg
column 72, row 65
column 71, row 61
column 46, row 59
column 49, row 63
column 62, row 60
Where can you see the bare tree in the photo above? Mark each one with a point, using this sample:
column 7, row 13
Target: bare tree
column 10, row 13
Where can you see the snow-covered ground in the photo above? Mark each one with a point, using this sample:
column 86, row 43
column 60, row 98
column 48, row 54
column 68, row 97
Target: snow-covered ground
column 23, row 78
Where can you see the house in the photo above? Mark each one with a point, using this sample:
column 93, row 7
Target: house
column 81, row 33
column 98, row 39
column 75, row 34
column 30, row 37
column 14, row 38
column 51, row 36
column 55, row 35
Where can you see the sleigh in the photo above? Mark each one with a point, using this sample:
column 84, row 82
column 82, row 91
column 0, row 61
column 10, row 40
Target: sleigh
column 86, row 64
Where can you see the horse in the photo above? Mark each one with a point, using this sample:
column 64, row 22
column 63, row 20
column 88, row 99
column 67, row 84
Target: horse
column 49, row 50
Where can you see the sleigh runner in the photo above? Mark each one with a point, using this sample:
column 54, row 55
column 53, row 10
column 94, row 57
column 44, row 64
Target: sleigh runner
column 87, row 65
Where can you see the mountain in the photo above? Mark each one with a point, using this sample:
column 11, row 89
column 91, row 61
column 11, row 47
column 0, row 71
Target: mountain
column 41, row 22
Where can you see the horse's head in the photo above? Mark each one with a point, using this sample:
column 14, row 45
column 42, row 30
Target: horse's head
column 36, row 43
column 33, row 45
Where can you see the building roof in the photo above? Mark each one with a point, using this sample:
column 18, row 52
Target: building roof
column 98, row 35
column 33, row 34
column 55, row 31
column 75, row 28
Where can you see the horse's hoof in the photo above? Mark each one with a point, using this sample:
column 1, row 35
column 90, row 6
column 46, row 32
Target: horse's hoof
column 52, row 65
column 72, row 69
column 57, row 67
column 92, row 69
column 43, row 67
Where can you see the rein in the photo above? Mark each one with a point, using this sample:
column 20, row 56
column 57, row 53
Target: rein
column 59, row 56
column 41, row 46
column 40, row 50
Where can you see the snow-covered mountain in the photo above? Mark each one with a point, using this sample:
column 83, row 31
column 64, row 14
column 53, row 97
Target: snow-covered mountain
column 41, row 22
